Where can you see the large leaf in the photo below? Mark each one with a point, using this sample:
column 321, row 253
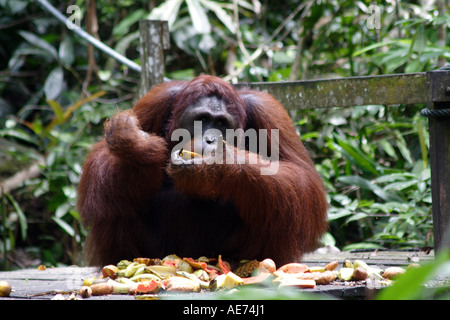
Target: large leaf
column 399, row 176
column 66, row 51
column 388, row 148
column 415, row 66
column 40, row 43
column 423, row 141
column 356, row 216
column 400, row 185
column 361, row 246
column 420, row 40
column 371, row 47
column 54, row 84
column 357, row 181
column 22, row 218
column 198, row 16
column 366, row 184
column 65, row 226
column 223, row 16
column 337, row 214
column 15, row 6
column 57, row 109
column 403, row 147
column 167, row 11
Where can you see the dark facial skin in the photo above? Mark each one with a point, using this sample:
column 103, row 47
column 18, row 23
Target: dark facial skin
column 214, row 117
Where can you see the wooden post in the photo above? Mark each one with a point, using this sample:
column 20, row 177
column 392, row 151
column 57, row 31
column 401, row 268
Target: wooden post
column 154, row 39
column 438, row 83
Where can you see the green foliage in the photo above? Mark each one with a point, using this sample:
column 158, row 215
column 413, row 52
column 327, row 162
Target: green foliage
column 378, row 179
column 373, row 159
column 65, row 140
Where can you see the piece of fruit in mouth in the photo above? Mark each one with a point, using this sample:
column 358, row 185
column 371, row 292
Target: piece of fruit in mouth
column 188, row 155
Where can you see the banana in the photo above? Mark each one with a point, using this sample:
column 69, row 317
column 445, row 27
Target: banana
column 362, row 264
column 132, row 268
column 123, row 264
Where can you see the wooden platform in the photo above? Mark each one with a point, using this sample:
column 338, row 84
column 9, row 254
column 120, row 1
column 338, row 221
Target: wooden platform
column 380, row 258
column 34, row 284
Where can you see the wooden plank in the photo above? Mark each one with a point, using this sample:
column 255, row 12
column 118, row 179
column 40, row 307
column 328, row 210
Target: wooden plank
column 45, row 284
column 372, row 257
column 438, row 84
column 345, row 92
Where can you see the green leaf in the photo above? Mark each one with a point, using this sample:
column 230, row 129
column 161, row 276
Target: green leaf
column 284, row 57
column 361, row 245
column 18, row 134
column 388, row 196
column 66, row 51
column 415, row 66
column 402, row 146
column 223, row 16
column 356, row 216
column 357, row 181
column 75, row 215
column 420, row 39
column 124, row 43
column 366, row 184
column 356, row 156
column 38, row 42
column 398, row 186
column 310, row 135
column 339, row 214
column 198, row 16
column 389, row 207
column 57, row 109
column 395, row 59
column 167, row 11
column 54, row 84
column 388, row 148
column 124, row 26
column 16, row 6
column 423, row 142
column 65, row 226
column 372, row 46
column 328, row 239
column 22, row 218
column 62, row 210
column 395, row 177
column 185, row 74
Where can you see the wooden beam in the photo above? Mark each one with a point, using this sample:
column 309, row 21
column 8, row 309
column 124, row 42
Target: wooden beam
column 345, row 92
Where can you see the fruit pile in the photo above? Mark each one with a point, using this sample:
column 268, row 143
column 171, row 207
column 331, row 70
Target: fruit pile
column 175, row 274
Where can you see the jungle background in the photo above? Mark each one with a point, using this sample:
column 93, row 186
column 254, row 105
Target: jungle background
column 56, row 92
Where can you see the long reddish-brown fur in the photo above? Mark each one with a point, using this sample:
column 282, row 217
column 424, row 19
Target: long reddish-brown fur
column 137, row 203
